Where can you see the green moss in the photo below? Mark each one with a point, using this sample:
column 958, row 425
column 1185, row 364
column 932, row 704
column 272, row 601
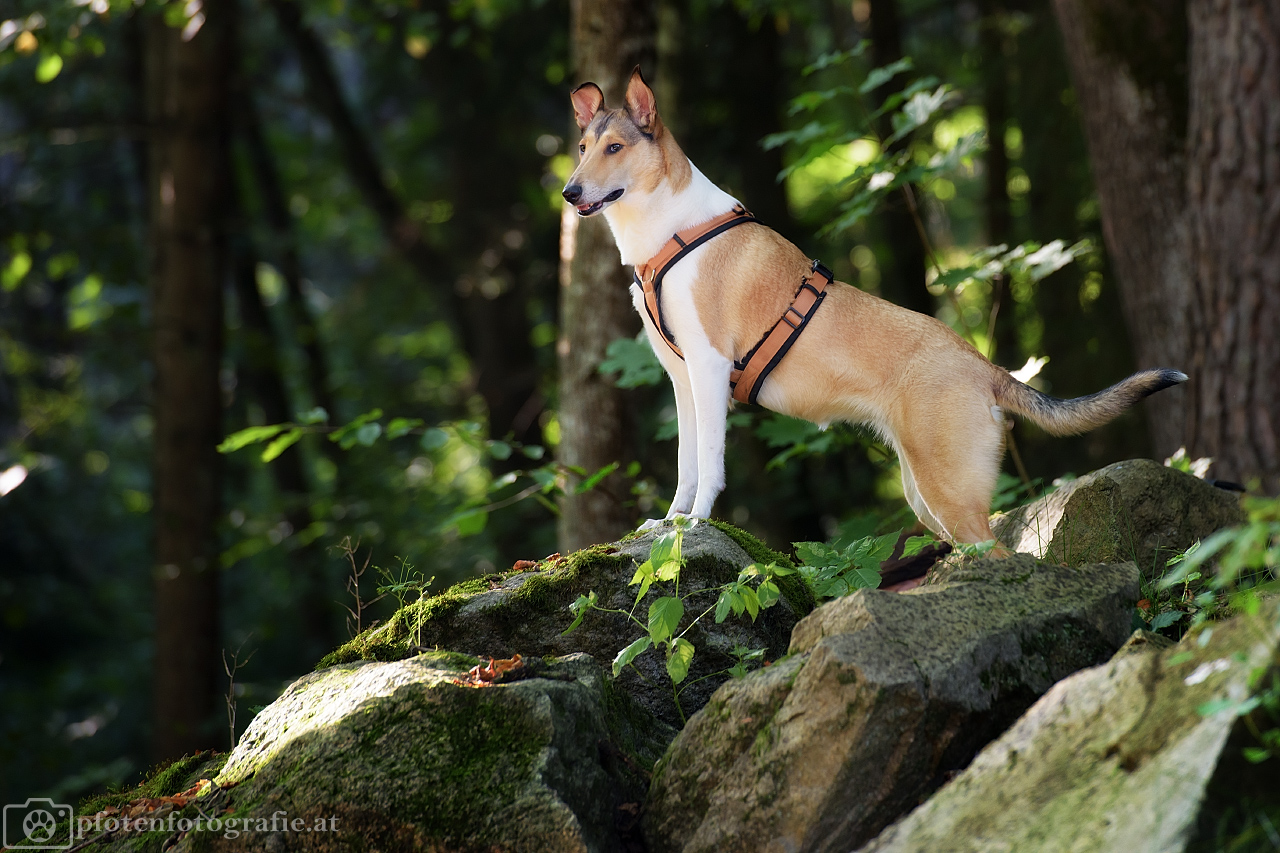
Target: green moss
column 164, row 780
column 392, row 640
column 542, row 590
column 792, row 587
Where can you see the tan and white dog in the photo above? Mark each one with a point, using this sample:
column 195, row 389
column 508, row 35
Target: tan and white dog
column 860, row 359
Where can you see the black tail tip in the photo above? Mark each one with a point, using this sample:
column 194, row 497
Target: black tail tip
column 1165, row 378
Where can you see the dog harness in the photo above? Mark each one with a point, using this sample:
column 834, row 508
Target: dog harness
column 750, row 371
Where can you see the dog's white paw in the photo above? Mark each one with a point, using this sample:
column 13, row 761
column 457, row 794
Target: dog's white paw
column 650, row 524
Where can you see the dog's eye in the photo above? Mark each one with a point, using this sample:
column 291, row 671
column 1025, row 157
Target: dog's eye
column 582, row 147
column 615, row 148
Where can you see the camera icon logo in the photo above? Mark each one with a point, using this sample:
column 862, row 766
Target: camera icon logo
column 38, row 824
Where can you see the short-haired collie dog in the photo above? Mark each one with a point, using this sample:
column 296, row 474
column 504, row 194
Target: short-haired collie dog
column 853, row 357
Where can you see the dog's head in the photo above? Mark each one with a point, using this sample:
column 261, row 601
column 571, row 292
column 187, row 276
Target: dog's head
column 621, row 150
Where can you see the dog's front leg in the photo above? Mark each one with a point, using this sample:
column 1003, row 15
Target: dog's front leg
column 709, row 384
column 687, row 451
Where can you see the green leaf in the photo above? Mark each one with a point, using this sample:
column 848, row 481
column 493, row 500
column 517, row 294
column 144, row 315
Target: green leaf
column 634, row 361
column 643, row 576
column 468, row 522
column 664, row 618
column 316, row 416
column 723, row 604
column 50, row 66
column 281, row 444
column 499, row 450
column 594, row 480
column 767, row 594
column 341, row 434
column 879, row 76
column 1199, row 554
column 862, row 578
column 1256, row 754
column 915, row 544
column 402, row 426
column 630, row 653
column 816, row 554
column 1164, row 620
column 251, row 435
column 828, row 60
column 366, row 435
column 679, row 656
column 579, row 608
column 533, row 451
column 669, row 571
column 434, row 439
column 666, row 548
column 782, row 431
column 751, row 601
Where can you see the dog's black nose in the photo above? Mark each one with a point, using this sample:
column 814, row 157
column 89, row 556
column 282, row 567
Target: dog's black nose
column 572, row 193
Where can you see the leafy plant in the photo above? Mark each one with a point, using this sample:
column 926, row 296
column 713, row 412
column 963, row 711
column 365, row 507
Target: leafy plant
column 1233, row 567
column 544, row 481
column 754, row 589
column 406, row 585
column 832, row 571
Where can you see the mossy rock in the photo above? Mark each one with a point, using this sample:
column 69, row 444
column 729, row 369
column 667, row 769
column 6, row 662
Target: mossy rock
column 410, row 755
column 527, row 613
column 1136, row 510
column 1143, row 754
column 882, row 695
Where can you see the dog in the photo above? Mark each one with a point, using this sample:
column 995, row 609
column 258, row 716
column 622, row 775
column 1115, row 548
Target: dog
column 931, row 395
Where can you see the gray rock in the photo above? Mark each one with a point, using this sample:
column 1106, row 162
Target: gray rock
column 527, row 613
column 400, row 756
column 1135, row 510
column 1117, row 758
column 884, row 695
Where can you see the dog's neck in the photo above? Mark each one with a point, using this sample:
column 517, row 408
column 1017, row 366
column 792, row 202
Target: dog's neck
column 642, row 222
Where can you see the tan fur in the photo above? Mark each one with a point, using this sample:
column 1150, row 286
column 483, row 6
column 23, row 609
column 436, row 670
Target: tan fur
column 861, row 359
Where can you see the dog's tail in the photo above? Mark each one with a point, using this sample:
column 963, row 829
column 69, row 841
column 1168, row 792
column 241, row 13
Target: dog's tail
column 1070, row 417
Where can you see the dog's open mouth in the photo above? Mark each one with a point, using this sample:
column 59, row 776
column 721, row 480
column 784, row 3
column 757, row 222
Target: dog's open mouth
column 594, row 207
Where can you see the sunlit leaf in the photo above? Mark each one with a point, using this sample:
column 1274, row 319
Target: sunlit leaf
column 679, row 657
column 281, row 444
column 251, row 435
column 664, row 617
column 402, row 426
column 630, row 653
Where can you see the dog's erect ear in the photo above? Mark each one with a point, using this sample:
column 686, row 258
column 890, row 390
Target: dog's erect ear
column 641, row 105
column 587, row 100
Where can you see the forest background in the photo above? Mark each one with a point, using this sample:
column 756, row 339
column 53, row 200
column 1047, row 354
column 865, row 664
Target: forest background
column 344, row 215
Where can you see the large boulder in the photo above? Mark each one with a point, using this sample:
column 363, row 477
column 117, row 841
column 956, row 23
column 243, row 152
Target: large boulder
column 1136, row 510
column 526, row 613
column 1143, row 754
column 415, row 755
column 883, row 695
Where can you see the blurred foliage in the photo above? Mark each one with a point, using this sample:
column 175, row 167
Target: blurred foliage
column 464, row 103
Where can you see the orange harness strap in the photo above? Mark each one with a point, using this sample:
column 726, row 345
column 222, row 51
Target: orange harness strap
column 751, row 370
column 649, row 274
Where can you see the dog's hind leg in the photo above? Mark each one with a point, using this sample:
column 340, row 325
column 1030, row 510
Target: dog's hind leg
column 953, row 458
column 915, row 501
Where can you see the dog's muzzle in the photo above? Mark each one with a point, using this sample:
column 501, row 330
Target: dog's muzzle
column 573, row 195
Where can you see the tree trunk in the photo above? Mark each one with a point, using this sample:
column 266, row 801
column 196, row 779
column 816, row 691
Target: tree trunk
column 995, row 103
column 608, row 39
column 1233, row 206
column 1187, row 163
column 903, row 276
column 1136, row 149
column 187, row 110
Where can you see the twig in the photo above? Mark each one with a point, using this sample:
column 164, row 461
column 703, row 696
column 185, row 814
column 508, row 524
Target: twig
column 231, row 668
